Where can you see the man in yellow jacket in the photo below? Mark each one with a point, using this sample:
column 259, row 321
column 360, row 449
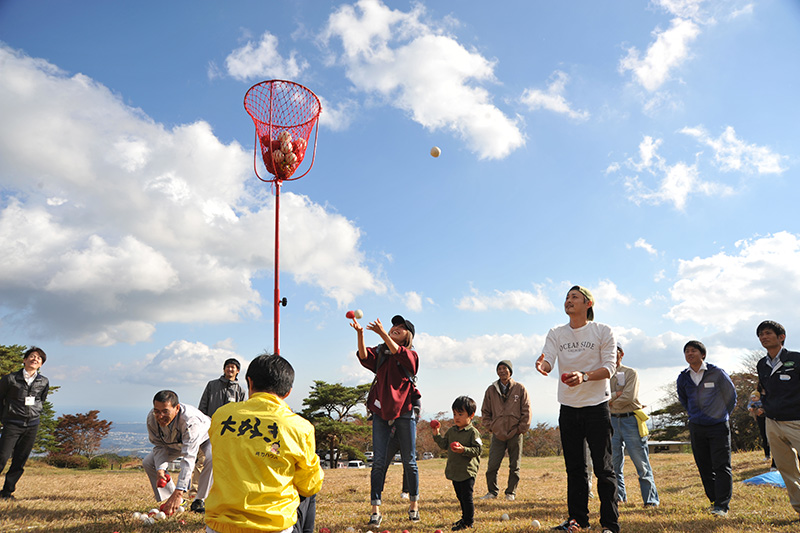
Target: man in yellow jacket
column 266, row 470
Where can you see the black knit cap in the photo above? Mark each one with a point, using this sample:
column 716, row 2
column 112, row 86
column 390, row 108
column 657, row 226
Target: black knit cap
column 234, row 362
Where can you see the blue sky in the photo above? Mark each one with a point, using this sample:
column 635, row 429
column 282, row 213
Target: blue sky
column 646, row 150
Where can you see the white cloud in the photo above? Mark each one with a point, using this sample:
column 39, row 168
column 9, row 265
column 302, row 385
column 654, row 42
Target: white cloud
column 668, row 52
column 152, row 224
column 675, row 182
column 553, row 98
column 167, row 367
column 262, row 60
column 681, row 8
column 337, row 117
column 644, row 245
column 427, row 74
column 524, row 301
column 606, row 292
column 442, row 352
column 733, row 154
column 413, row 301
column 730, row 291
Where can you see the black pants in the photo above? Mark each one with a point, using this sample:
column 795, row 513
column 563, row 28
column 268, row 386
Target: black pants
column 762, row 430
column 593, row 425
column 464, row 490
column 306, row 515
column 711, row 446
column 16, row 442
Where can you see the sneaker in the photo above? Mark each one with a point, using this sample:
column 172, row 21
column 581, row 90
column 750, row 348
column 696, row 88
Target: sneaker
column 7, row 495
column 721, row 513
column 651, row 506
column 413, row 515
column 570, row 525
column 198, row 506
column 404, row 495
column 375, row 520
column 510, row 497
column 461, row 525
column 488, row 496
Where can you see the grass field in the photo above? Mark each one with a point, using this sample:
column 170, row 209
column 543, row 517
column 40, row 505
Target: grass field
column 92, row 501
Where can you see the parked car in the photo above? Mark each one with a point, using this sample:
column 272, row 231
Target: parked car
column 369, row 456
column 427, row 455
column 356, row 464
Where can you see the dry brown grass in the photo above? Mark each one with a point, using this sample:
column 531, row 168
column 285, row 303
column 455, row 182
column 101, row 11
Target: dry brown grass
column 103, row 501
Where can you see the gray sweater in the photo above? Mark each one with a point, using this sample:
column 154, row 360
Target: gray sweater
column 218, row 392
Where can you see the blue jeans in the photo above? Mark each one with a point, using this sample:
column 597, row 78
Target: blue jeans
column 626, row 436
column 405, row 428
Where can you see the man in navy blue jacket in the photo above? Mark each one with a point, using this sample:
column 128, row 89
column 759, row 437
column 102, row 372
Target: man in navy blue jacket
column 779, row 375
column 709, row 396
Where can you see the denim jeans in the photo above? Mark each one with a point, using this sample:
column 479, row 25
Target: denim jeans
column 626, row 436
column 592, row 424
column 405, row 428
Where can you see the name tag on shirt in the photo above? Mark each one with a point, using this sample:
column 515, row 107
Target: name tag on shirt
column 621, row 380
column 785, row 377
column 30, row 400
column 709, row 385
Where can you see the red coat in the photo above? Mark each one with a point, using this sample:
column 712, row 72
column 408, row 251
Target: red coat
column 390, row 395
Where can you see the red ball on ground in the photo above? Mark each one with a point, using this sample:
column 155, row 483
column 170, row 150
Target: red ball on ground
column 324, row 530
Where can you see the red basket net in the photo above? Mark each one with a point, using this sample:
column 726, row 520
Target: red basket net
column 284, row 113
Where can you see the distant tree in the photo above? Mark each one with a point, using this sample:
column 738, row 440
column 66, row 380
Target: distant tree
column 744, row 429
column 11, row 361
column 81, row 434
column 671, row 421
column 542, row 440
column 329, row 407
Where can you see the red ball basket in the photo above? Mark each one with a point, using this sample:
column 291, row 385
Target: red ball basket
column 284, row 113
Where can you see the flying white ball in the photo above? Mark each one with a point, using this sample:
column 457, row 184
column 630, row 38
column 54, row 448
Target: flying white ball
column 358, row 314
column 435, row 151
column 505, row 516
column 285, row 136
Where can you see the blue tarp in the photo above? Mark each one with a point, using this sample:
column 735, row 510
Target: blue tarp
column 769, row 478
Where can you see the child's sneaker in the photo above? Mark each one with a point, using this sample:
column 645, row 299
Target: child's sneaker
column 375, row 520
column 413, row 515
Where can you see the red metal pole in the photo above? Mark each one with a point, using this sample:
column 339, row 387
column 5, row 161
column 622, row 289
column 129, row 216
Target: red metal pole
column 277, row 270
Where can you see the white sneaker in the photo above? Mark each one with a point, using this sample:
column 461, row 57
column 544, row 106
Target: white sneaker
column 722, row 513
column 488, row 496
column 404, row 495
column 510, row 497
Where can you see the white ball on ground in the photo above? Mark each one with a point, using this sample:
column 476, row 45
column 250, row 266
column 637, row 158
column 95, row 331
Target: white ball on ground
column 137, row 515
column 536, row 524
column 505, row 516
column 161, row 515
column 435, row 151
column 180, row 509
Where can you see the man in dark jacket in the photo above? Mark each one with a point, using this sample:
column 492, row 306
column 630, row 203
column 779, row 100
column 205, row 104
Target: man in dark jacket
column 779, row 377
column 708, row 395
column 217, row 393
column 22, row 394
